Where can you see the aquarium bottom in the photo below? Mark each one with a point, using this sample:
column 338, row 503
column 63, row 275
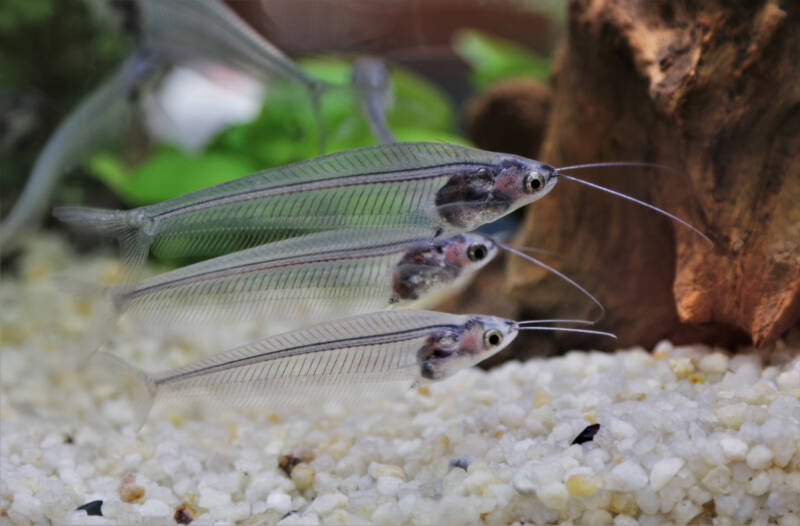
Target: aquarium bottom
column 680, row 435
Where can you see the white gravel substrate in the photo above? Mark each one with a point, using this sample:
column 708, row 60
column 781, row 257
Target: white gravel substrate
column 687, row 436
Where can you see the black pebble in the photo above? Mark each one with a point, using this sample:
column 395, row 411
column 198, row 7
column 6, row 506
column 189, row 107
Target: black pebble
column 92, row 508
column 288, row 513
column 461, row 462
column 587, row 434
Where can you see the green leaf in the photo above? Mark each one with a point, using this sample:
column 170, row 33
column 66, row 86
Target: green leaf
column 493, row 58
column 285, row 130
column 419, row 103
column 109, row 169
column 168, row 173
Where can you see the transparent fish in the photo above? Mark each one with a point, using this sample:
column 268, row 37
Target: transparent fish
column 400, row 185
column 348, row 360
column 210, row 29
column 94, row 122
column 370, row 79
column 443, row 187
column 308, row 279
column 342, row 359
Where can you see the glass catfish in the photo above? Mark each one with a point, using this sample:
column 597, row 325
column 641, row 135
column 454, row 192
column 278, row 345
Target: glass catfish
column 347, row 360
column 313, row 278
column 440, row 187
column 97, row 120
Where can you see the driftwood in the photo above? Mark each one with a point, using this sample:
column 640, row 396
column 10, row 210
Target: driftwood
column 709, row 88
column 511, row 116
column 712, row 89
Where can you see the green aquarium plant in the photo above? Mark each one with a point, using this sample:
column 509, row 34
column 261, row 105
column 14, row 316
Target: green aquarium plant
column 283, row 132
column 492, row 58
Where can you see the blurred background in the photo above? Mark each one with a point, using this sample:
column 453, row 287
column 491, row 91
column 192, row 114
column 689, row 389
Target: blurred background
column 200, row 123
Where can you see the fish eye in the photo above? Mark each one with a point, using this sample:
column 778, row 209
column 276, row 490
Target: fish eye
column 534, row 181
column 492, row 338
column 476, row 252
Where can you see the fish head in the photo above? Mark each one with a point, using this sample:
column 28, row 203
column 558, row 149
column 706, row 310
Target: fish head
column 433, row 265
column 480, row 195
column 450, row 349
column 469, row 252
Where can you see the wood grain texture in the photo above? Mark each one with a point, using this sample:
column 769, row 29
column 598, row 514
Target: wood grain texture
column 713, row 90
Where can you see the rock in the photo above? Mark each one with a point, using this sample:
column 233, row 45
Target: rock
column 280, row 502
column 155, row 508
column 733, row 448
column 303, row 476
column 759, row 457
column 718, row 480
column 325, row 504
column 627, row 476
column 714, row 363
column 377, row 470
column 389, row 485
column 663, row 471
column 582, row 485
column 554, row 495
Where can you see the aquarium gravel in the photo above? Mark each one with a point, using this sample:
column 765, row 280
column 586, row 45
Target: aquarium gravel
column 686, row 434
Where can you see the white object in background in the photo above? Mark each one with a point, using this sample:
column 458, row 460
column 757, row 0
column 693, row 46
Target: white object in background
column 197, row 101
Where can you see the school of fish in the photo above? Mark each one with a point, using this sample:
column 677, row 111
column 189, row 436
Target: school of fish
column 341, row 244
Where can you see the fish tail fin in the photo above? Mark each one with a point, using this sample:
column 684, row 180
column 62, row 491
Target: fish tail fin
column 138, row 385
column 112, row 302
column 106, row 222
column 128, row 228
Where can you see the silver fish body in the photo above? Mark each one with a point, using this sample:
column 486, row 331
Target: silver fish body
column 340, row 358
column 436, row 186
column 312, row 278
column 372, row 86
column 95, row 121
